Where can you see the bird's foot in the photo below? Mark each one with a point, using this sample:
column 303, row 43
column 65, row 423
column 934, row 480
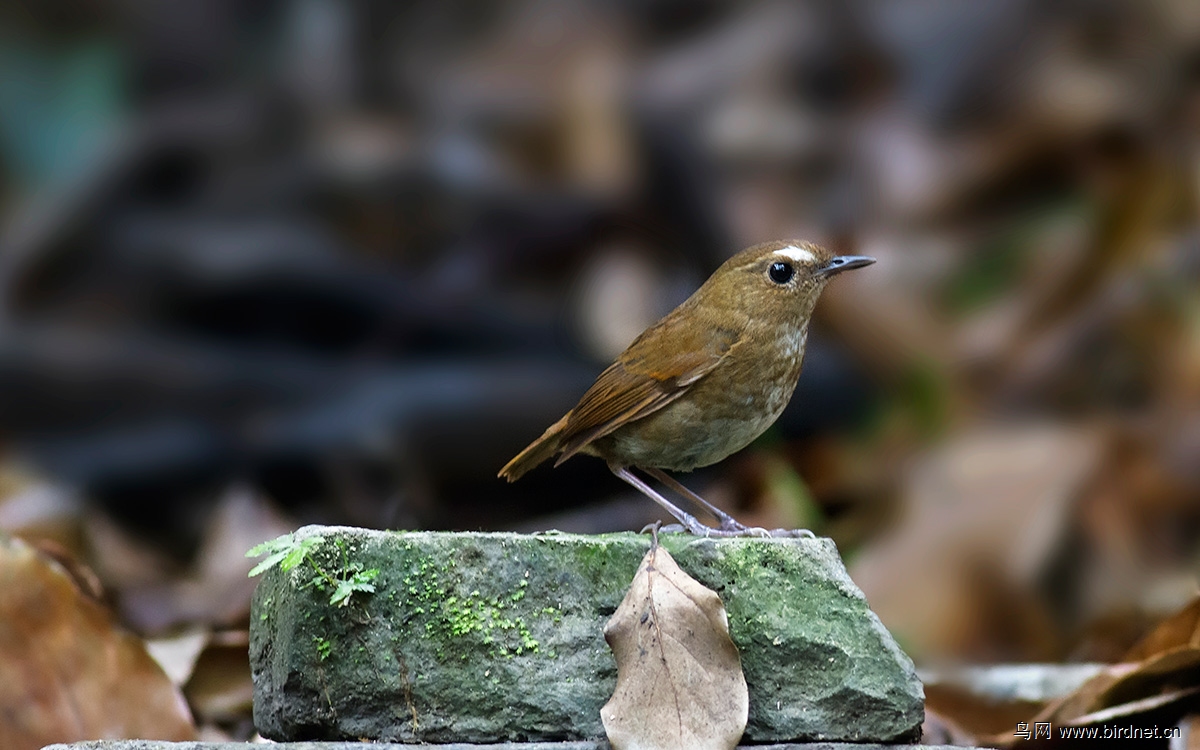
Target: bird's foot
column 755, row 531
column 732, row 527
column 728, row 526
column 793, row 533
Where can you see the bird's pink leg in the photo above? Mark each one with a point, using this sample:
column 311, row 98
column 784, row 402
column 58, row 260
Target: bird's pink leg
column 688, row 520
column 728, row 522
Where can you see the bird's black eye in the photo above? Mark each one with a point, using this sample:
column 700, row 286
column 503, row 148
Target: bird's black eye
column 781, row 273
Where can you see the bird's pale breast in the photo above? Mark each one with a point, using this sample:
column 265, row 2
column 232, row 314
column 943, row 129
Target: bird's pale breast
column 720, row 414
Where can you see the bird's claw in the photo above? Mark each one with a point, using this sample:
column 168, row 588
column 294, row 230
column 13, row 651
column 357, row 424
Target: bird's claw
column 731, row 527
column 729, row 523
column 792, row 534
column 753, row 531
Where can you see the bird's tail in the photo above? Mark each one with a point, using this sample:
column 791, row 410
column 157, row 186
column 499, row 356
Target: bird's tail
column 536, row 452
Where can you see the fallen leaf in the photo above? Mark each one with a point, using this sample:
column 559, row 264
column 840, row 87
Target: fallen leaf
column 177, row 654
column 35, row 508
column 986, row 514
column 1128, row 683
column 67, row 672
column 679, row 677
column 214, row 590
column 1160, row 687
column 991, row 699
column 1181, row 629
column 1138, row 709
column 220, row 689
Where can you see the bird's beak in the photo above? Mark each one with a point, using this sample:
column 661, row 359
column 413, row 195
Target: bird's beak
column 844, row 263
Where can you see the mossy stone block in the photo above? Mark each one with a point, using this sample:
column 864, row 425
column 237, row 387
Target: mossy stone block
column 495, row 637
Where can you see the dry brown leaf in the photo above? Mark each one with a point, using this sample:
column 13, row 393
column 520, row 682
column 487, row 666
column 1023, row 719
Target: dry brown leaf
column 67, row 672
column 214, row 590
column 1127, row 683
column 1088, row 697
column 220, row 688
column 177, row 654
column 34, row 508
column 1180, row 629
column 1161, row 688
column 679, row 678
column 986, row 515
column 1138, row 709
column 974, row 711
column 1166, row 671
column 1163, row 711
column 1165, row 662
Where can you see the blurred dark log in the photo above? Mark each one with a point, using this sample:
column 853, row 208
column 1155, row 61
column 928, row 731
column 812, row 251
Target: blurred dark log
column 151, row 416
column 354, row 280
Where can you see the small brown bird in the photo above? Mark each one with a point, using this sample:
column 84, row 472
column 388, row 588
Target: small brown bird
column 704, row 381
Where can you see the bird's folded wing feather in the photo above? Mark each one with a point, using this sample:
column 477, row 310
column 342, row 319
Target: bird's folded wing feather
column 657, row 368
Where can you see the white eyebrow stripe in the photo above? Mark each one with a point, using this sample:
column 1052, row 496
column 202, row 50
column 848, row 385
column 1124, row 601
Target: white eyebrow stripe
column 798, row 254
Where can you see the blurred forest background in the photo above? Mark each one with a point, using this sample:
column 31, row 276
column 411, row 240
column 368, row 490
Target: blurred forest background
column 273, row 263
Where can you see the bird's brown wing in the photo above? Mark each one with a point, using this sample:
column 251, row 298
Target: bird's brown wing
column 656, row 369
